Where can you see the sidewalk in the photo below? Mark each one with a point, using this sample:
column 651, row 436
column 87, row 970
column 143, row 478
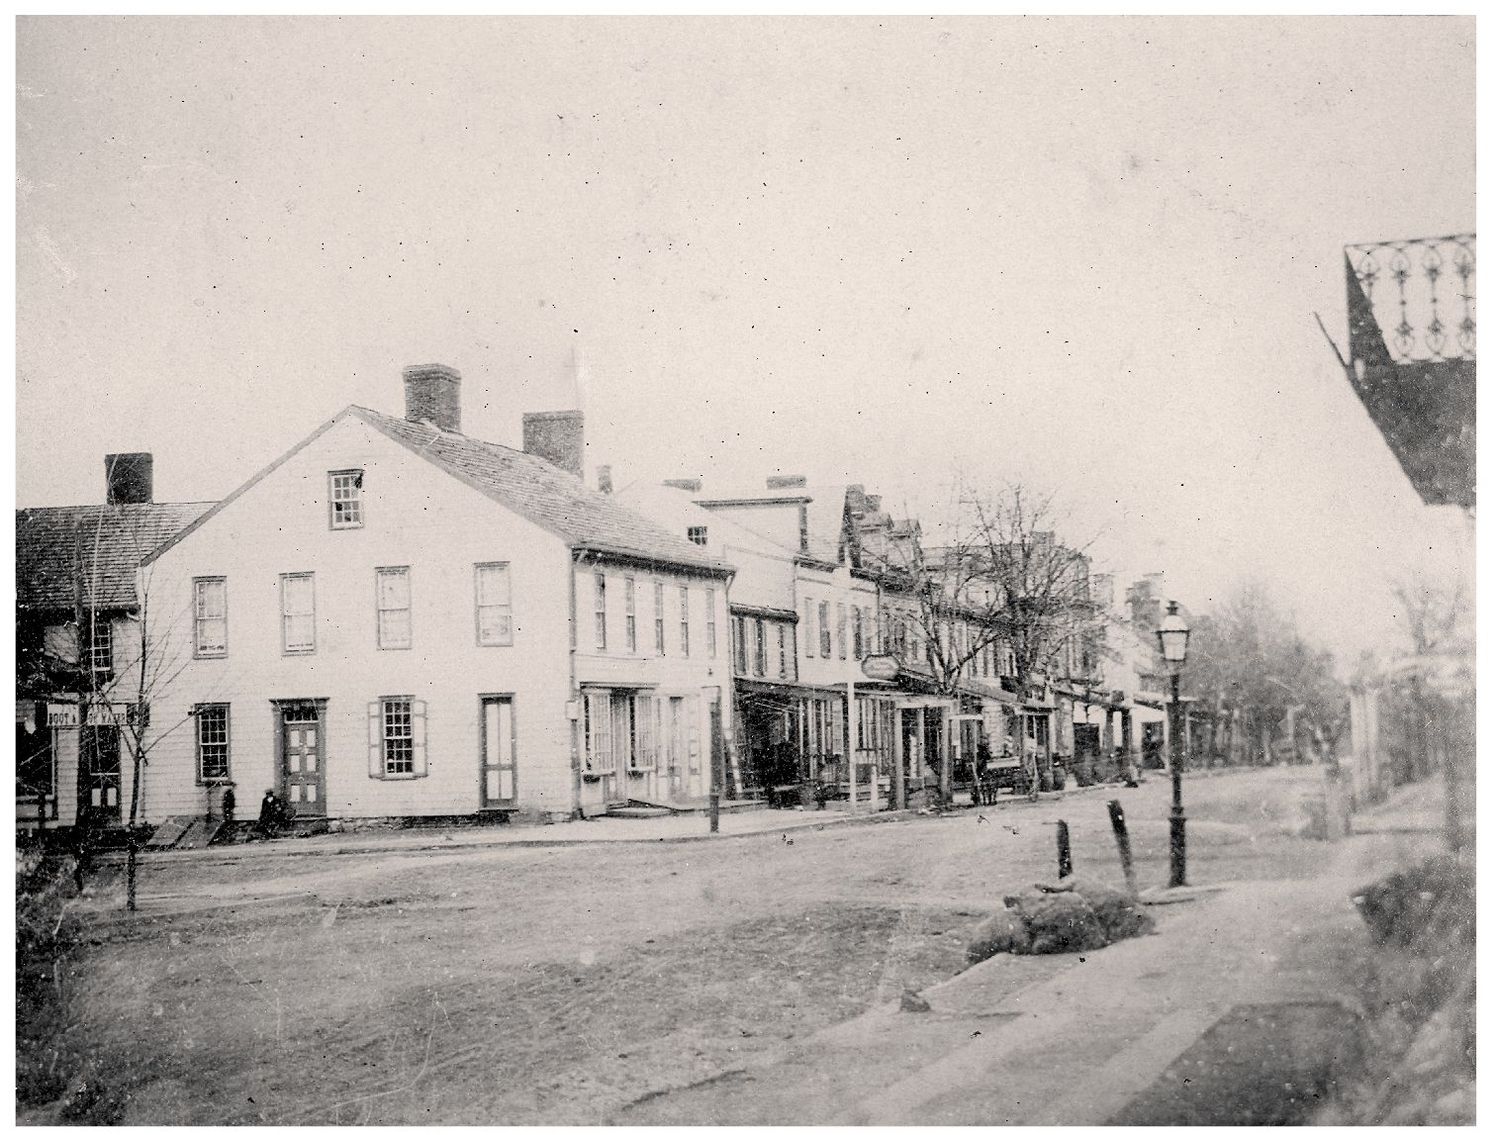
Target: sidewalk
column 605, row 829
column 1078, row 1048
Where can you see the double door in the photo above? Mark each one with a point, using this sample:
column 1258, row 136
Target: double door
column 99, row 779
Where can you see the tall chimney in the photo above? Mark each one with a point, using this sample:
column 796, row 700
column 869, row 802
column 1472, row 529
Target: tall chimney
column 127, row 478
column 605, row 478
column 556, row 435
column 432, row 395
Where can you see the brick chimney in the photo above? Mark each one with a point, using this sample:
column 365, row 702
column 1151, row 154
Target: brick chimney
column 556, row 435
column 605, row 478
column 432, row 395
column 127, row 478
column 785, row 481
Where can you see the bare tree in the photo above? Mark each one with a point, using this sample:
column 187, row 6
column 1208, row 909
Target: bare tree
column 998, row 581
column 151, row 658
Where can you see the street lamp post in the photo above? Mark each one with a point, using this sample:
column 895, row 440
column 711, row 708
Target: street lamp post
column 1174, row 635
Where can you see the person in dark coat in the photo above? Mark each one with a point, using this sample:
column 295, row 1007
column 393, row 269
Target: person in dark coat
column 272, row 813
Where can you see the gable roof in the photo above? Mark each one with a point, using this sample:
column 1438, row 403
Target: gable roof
column 532, row 486
column 102, row 542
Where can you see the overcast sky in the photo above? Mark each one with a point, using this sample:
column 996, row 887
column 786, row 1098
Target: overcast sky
column 1081, row 254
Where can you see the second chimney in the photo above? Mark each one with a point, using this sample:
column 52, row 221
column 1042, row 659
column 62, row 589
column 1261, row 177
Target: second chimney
column 605, row 478
column 556, row 435
column 785, row 481
column 127, row 478
column 432, row 395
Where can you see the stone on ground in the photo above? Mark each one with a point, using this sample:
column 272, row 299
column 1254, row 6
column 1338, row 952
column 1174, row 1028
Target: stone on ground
column 999, row 933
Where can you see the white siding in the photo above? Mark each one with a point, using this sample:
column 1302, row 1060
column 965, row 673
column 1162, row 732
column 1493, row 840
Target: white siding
column 416, row 515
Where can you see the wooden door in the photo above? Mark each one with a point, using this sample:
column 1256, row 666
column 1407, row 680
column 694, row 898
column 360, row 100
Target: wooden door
column 303, row 777
column 98, row 775
column 497, row 752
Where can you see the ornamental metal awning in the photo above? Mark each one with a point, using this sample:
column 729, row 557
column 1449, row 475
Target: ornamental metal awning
column 1412, row 356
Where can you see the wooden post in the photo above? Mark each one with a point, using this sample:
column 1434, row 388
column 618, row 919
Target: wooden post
column 944, row 782
column 1121, row 837
column 920, row 743
column 850, row 742
column 899, row 779
column 875, row 708
column 1063, row 849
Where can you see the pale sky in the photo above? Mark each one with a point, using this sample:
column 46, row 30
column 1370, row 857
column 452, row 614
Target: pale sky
column 1082, row 254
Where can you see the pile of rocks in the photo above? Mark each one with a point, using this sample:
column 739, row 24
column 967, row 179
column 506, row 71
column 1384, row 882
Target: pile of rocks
column 1059, row 918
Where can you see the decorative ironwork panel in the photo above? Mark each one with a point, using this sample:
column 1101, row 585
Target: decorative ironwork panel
column 1419, row 297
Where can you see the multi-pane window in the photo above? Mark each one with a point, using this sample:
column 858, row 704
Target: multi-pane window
column 298, row 613
column 870, row 633
column 398, row 736
column 811, row 642
column 857, row 633
column 600, row 611
column 660, row 618
column 630, row 639
column 740, row 646
column 712, row 622
column 824, row 629
column 210, row 617
column 697, row 533
column 492, row 601
column 346, row 498
column 598, row 735
column 393, row 607
column 213, row 741
column 686, row 623
column 759, row 648
column 842, row 630
column 780, row 634
column 99, row 646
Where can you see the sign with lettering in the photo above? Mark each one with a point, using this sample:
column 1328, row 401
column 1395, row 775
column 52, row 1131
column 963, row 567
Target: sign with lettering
column 62, row 714
column 881, row 667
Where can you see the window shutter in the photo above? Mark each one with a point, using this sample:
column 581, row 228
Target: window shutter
column 376, row 740
column 418, row 738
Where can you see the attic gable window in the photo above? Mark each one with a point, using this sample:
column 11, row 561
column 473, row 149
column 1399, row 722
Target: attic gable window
column 346, row 498
column 697, row 533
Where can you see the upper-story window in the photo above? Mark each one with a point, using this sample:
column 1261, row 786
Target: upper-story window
column 298, row 613
column 660, row 618
column 346, row 498
column 807, row 632
column 712, row 622
column 492, row 603
column 210, row 601
column 697, row 533
column 842, row 630
column 824, row 628
column 393, row 608
column 785, row 657
column 630, row 640
column 98, row 647
column 857, row 632
column 759, row 648
column 686, row 623
column 740, row 647
column 600, row 611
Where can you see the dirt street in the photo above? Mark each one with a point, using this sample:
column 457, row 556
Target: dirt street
column 558, row 985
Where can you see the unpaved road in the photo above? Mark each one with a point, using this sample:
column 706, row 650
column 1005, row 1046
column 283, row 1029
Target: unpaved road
column 557, row 985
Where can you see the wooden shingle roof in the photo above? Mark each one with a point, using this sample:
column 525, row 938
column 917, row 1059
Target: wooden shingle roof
column 549, row 496
column 99, row 543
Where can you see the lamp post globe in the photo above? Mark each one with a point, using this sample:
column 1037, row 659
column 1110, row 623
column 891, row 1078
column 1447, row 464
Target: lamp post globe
column 1174, row 636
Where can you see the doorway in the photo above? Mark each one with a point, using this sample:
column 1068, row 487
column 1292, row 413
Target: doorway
column 303, row 775
column 497, row 751
column 98, row 776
